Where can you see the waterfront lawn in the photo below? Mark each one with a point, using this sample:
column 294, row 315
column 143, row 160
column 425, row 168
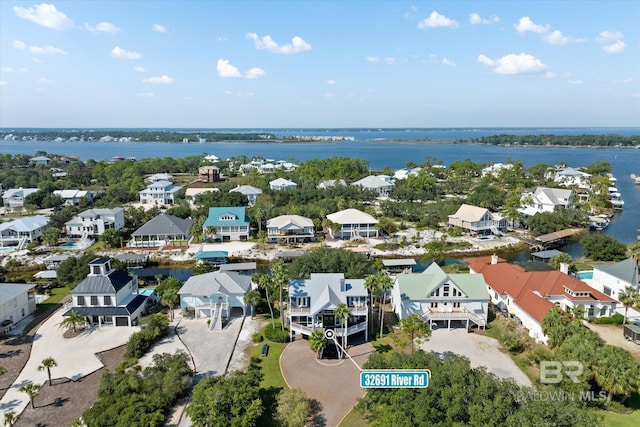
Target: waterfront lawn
column 55, row 298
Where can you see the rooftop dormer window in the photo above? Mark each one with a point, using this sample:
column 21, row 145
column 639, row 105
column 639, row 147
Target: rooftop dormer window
column 228, row 217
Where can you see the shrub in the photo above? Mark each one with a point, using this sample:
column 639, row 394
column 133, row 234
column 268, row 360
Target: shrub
column 276, row 334
column 154, row 328
column 616, row 319
column 512, row 342
column 538, row 355
column 257, row 337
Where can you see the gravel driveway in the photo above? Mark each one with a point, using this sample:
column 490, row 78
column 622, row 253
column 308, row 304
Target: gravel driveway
column 481, row 351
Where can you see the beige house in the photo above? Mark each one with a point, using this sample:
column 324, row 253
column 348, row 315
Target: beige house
column 477, row 220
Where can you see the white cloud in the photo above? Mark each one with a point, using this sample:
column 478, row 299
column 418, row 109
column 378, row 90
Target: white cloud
column 612, row 41
column 39, row 50
column 574, row 82
column 549, row 75
column 629, row 80
column 556, row 37
column 390, row 60
column 372, row 59
column 228, row 92
column 411, row 13
column 139, row 69
column 145, row 94
column 3, row 83
column 446, row 61
column 475, row 19
column 221, row 39
column 327, row 95
column 158, row 28
column 331, row 82
column 297, row 44
column 227, row 70
column 514, row 64
column 525, row 24
column 436, row 20
column 102, row 27
column 46, row 15
column 161, row 80
column 45, row 81
column 255, row 73
column 118, row 52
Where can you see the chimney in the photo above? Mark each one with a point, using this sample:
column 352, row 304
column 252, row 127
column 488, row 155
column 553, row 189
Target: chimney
column 494, row 259
column 564, row 268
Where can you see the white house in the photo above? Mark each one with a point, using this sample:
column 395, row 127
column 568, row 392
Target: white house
column 330, row 183
column 437, row 297
column 282, row 184
column 252, row 193
column 22, row 230
column 159, row 193
column 611, row 279
column 74, row 197
column 477, row 220
column 162, row 230
column 544, row 199
column 160, row 177
column 227, row 223
column 215, row 295
column 13, row 198
column 108, row 297
column 570, row 177
column 94, row 222
column 375, row 183
column 312, row 303
column 291, row 228
column 495, row 168
column 353, row 224
column 17, row 301
column 40, row 160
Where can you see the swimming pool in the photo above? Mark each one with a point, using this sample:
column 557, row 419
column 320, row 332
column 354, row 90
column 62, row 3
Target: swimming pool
column 585, row 275
column 6, row 250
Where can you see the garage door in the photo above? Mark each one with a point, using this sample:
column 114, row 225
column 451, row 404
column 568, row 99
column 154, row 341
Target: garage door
column 122, row 321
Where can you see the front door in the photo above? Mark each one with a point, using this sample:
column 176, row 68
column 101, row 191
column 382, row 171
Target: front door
column 328, row 321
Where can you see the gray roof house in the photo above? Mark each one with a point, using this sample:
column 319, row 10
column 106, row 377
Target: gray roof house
column 214, row 295
column 108, row 297
column 290, row 228
column 312, row 303
column 13, row 198
column 375, row 183
column 161, row 230
column 22, row 230
column 611, row 279
column 252, row 193
column 16, row 302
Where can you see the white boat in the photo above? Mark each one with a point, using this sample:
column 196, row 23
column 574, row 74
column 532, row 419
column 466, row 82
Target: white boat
column 599, row 222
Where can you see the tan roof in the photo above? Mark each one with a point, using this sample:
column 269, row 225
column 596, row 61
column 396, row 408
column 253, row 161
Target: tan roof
column 351, row 216
column 470, row 213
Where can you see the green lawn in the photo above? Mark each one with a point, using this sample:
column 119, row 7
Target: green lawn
column 270, row 364
column 56, row 296
column 612, row 419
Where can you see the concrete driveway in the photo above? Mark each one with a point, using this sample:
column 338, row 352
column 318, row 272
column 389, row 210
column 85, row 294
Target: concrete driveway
column 481, row 351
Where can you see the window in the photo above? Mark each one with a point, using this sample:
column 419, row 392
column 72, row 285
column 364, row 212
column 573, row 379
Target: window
column 95, row 269
column 107, row 300
column 81, row 300
column 591, row 310
column 603, row 311
column 94, row 300
column 456, row 305
column 434, row 305
column 606, row 290
column 445, row 291
column 227, row 217
column 302, row 301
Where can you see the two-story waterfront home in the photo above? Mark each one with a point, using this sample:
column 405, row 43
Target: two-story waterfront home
column 437, row 297
column 215, row 295
column 312, row 303
column 94, row 222
column 544, row 199
column 378, row 184
column 108, row 297
column 74, row 197
column 23, row 230
column 159, row 193
column 290, row 228
column 477, row 220
column 226, row 223
column 13, row 198
column 611, row 279
column 353, row 224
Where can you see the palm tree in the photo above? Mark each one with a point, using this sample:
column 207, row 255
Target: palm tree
column 252, row 298
column 317, row 342
column 371, row 284
column 32, row 390
column 628, row 297
column 281, row 280
column 342, row 312
column 47, row 364
column 385, row 284
column 265, row 282
column 616, row 371
column 72, row 319
column 578, row 311
column 170, row 299
column 10, row 418
column 258, row 214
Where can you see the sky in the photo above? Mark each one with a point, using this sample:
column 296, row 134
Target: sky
column 328, row 64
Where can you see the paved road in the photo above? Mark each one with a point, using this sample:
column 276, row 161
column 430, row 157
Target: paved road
column 481, row 351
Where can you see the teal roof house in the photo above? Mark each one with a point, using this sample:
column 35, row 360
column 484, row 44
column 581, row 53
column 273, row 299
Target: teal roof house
column 226, row 224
